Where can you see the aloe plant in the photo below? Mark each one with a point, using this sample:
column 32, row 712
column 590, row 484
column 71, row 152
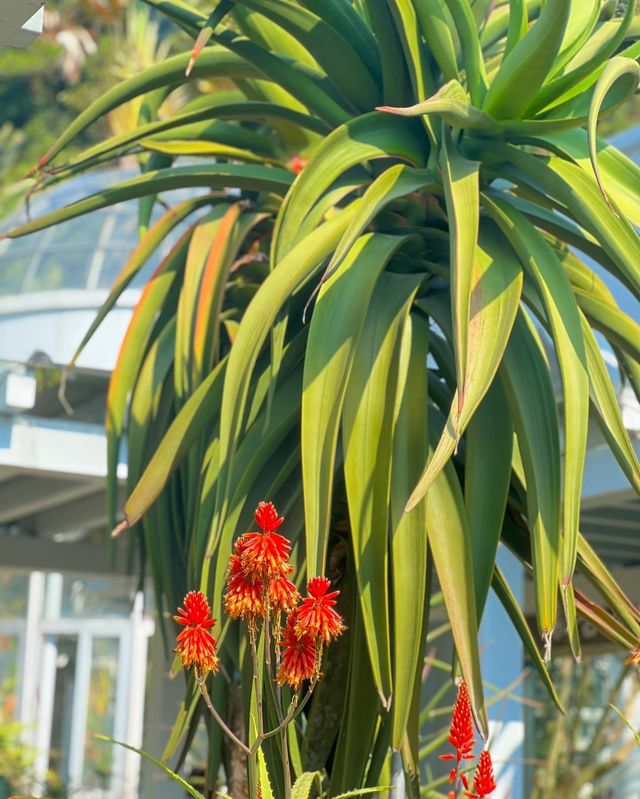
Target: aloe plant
column 361, row 330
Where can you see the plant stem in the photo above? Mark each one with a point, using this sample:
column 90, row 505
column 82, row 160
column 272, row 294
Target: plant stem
column 257, row 682
column 207, row 700
column 277, row 697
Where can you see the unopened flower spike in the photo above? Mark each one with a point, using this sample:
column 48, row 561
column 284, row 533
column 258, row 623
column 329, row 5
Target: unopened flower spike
column 483, row 780
column 195, row 644
column 460, row 736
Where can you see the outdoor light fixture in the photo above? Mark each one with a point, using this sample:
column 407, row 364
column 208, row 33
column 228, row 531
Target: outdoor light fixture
column 20, row 22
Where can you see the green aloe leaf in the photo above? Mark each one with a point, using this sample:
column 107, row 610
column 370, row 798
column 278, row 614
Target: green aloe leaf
column 607, row 407
column 450, row 544
column 408, row 543
column 487, row 478
column 335, row 330
column 494, row 296
column 131, row 356
column 368, row 137
column 525, row 376
column 460, row 179
column 615, row 70
column 439, row 32
column 260, row 315
column 527, row 65
column 510, row 604
column 367, row 432
column 243, row 176
column 553, row 286
column 462, row 15
column 451, row 102
column 330, row 49
column 306, row 783
column 171, row 774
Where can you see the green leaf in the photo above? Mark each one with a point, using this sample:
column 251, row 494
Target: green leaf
column 495, row 289
column 487, row 475
column 367, row 433
column 330, row 49
column 607, row 407
column 525, row 376
column 305, row 783
column 525, row 68
column 439, row 32
column 467, row 28
column 510, row 604
column 183, row 431
column 171, row 774
column 145, row 248
column 254, row 328
column 243, row 176
column 264, row 783
column 392, row 184
column 615, row 70
column 334, row 333
column 408, row 543
column 131, row 356
column 365, row 138
column 460, row 179
column 553, row 287
column 449, row 542
column 451, row 102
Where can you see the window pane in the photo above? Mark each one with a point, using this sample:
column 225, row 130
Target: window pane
column 97, row 597
column 98, row 757
column 67, row 649
column 62, row 269
column 14, row 588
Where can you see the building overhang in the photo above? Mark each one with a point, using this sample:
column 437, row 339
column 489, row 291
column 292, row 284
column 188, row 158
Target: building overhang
column 20, row 22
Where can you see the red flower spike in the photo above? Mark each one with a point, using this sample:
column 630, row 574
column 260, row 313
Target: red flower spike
column 316, row 615
column 195, row 644
column 483, row 781
column 298, row 655
column 283, row 595
column 266, row 517
column 265, row 555
column 244, row 598
column 461, row 731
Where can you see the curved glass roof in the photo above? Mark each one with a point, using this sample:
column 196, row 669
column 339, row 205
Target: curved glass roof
column 84, row 253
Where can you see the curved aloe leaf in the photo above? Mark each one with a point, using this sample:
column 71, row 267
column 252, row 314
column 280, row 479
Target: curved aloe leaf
column 367, row 137
column 539, row 259
column 244, row 176
column 408, row 543
column 495, row 295
column 335, row 330
column 367, row 432
column 525, row 376
column 615, row 70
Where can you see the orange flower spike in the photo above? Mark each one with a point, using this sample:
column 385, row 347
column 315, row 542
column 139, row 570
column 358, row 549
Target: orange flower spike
column 265, row 555
column 283, row 595
column 244, row 598
column 298, row 656
column 195, row 644
column 483, row 782
column 316, row 615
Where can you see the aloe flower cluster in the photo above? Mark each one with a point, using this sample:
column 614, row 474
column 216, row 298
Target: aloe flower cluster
column 259, row 592
column 461, row 737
